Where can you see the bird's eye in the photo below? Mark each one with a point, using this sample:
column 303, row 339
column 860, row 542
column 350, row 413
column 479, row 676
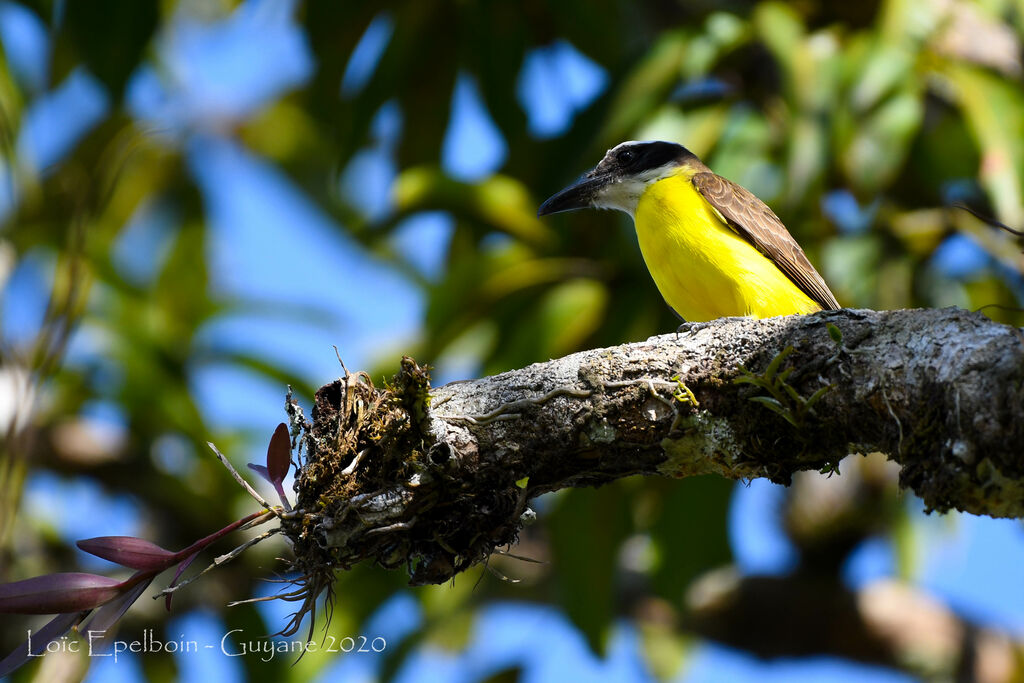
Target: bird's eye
column 626, row 156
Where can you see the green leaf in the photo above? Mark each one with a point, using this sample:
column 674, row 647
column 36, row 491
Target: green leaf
column 645, row 88
column 793, row 394
column 816, row 396
column 501, row 202
column 776, row 407
column 769, row 403
column 773, row 366
column 688, row 529
column 835, row 333
column 878, row 147
column 994, row 108
column 569, row 314
column 587, row 530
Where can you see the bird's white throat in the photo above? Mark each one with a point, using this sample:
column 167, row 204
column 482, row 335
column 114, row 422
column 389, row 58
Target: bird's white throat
column 624, row 194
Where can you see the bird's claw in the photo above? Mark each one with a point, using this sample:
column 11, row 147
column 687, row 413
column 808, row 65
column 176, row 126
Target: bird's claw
column 688, row 328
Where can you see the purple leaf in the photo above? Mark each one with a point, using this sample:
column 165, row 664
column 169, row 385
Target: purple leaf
column 38, row 641
column 131, row 552
column 106, row 616
column 177, row 575
column 57, row 593
column 279, row 455
column 260, row 470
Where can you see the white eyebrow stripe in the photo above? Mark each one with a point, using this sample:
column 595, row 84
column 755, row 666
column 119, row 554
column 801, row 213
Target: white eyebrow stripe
column 628, row 142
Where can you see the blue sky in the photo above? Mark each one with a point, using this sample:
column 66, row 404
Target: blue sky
column 272, row 244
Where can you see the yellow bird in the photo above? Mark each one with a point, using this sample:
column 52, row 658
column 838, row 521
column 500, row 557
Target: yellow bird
column 712, row 247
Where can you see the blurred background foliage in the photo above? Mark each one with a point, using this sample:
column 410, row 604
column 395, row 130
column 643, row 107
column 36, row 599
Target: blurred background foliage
column 197, row 198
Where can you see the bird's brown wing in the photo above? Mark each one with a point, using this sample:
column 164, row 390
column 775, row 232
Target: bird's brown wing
column 755, row 222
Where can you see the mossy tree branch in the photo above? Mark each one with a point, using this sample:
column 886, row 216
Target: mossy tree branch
column 439, row 484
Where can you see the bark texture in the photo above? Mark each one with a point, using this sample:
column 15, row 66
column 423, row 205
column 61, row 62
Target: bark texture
column 941, row 392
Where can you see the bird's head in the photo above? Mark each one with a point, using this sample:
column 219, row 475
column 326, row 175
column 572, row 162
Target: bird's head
column 621, row 177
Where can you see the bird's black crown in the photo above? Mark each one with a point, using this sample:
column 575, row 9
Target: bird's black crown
column 636, row 157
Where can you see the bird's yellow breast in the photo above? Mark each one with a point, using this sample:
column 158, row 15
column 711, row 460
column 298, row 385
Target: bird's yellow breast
column 702, row 268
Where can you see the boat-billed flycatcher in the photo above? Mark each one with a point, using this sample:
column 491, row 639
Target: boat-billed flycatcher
column 712, row 247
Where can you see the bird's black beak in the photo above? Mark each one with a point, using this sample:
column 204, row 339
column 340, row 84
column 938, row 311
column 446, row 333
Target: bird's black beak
column 579, row 195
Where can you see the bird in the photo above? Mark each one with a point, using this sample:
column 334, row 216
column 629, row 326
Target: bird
column 712, row 247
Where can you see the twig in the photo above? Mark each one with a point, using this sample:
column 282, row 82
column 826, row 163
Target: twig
column 222, row 559
column 242, row 482
column 294, row 595
column 521, row 558
column 488, row 567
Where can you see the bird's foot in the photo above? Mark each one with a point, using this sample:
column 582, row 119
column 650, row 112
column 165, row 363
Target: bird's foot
column 688, row 329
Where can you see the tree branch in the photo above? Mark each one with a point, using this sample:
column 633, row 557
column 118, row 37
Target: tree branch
column 445, row 481
column 888, row 623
